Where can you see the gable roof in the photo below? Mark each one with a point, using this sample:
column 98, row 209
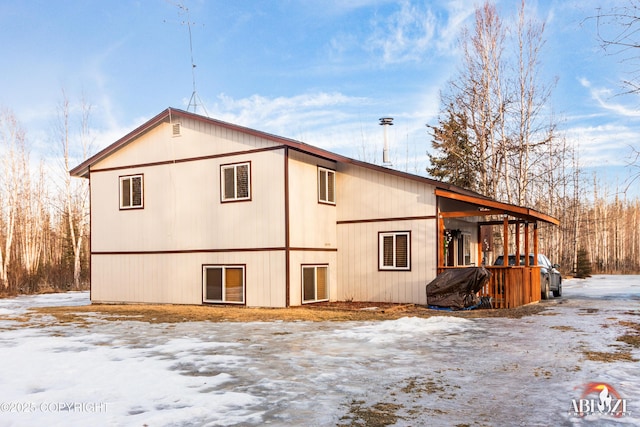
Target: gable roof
column 447, row 190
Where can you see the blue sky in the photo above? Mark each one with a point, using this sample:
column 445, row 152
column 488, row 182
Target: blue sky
column 321, row 71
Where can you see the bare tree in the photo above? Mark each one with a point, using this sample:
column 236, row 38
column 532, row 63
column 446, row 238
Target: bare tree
column 477, row 93
column 505, row 102
column 76, row 192
column 12, row 152
column 33, row 218
column 618, row 31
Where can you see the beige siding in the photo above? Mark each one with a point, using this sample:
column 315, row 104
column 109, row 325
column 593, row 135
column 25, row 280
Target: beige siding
column 197, row 139
column 359, row 278
column 368, row 199
column 155, row 254
column 183, row 211
column 300, row 258
column 312, row 224
column 369, row 194
column 177, row 278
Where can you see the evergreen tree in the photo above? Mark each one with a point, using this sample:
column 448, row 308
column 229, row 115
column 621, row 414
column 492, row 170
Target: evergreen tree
column 453, row 160
column 583, row 266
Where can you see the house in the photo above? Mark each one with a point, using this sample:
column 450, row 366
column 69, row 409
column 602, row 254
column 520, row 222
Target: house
column 186, row 209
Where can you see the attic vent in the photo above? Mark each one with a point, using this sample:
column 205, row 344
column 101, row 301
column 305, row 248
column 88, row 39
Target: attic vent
column 176, row 129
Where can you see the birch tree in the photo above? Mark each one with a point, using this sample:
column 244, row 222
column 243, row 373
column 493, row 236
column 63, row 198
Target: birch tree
column 477, row 93
column 75, row 192
column 12, row 152
column 500, row 92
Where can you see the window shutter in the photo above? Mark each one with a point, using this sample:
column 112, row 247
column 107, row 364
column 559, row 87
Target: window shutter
column 402, row 250
column 322, row 183
column 387, row 260
column 136, row 189
column 229, row 183
column 125, row 202
column 242, row 177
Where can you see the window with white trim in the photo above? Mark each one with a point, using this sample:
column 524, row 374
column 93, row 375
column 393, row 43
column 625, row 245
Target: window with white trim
column 315, row 283
column 326, row 186
column 235, row 182
column 131, row 192
column 223, row 283
column 395, row 251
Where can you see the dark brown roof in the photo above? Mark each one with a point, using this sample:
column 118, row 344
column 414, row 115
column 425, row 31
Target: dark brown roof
column 82, row 170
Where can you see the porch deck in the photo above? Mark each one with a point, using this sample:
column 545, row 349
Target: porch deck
column 510, row 286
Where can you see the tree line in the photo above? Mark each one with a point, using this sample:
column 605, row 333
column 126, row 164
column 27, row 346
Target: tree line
column 497, row 135
column 43, row 212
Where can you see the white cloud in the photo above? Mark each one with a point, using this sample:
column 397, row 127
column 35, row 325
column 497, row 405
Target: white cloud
column 408, row 34
column 604, row 96
column 404, row 35
column 309, row 117
column 605, row 145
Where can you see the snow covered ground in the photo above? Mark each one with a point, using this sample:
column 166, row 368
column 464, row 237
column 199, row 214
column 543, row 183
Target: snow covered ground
column 412, row 371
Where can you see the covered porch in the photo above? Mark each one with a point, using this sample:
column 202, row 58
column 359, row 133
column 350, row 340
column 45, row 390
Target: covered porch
column 467, row 230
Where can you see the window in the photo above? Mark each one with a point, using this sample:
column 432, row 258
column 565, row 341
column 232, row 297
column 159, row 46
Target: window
column 131, row 194
column 315, row 283
column 326, row 186
column 223, row 284
column 236, row 182
column 466, row 244
column 395, row 251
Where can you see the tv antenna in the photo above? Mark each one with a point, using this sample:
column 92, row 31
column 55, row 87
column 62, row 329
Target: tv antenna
column 193, row 101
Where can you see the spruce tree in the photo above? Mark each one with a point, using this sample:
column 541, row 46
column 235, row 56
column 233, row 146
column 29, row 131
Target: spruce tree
column 453, row 159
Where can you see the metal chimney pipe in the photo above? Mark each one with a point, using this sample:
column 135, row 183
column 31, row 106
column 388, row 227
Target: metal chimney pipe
column 386, row 122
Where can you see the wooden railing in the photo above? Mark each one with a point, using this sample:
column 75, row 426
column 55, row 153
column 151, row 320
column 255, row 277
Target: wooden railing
column 511, row 287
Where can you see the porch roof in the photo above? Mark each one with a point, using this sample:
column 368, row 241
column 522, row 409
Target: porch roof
column 480, row 206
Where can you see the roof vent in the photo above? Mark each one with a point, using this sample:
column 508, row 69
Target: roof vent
column 176, row 129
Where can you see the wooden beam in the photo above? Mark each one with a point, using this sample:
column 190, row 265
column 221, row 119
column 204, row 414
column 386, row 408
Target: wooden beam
column 464, row 214
column 505, row 238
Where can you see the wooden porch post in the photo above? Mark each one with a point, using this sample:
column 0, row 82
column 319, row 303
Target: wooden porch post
column 505, row 239
column 526, row 244
column 535, row 243
column 480, row 245
column 517, row 242
column 441, row 242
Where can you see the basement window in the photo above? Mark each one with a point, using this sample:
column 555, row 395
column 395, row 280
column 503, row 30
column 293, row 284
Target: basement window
column 315, row 283
column 131, row 192
column 223, row 284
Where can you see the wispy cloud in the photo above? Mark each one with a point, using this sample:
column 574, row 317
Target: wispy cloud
column 409, row 33
column 309, row 117
column 605, row 145
column 604, row 96
column 404, row 35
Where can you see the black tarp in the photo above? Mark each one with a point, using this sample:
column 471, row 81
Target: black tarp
column 456, row 288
